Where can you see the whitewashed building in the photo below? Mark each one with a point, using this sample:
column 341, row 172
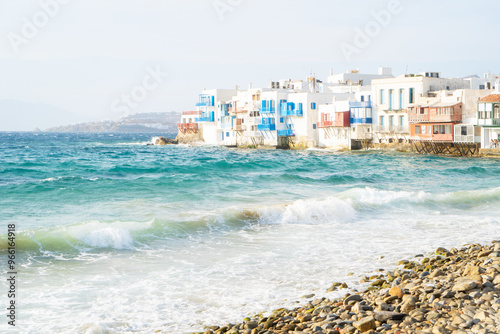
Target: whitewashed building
column 392, row 97
column 209, row 110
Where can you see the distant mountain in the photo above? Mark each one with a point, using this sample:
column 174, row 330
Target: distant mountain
column 22, row 116
column 144, row 123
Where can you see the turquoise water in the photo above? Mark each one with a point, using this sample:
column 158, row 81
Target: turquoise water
column 118, row 236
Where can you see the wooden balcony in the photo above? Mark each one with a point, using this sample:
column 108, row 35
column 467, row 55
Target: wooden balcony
column 186, row 128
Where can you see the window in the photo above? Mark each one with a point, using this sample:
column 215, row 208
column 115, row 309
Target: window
column 412, row 96
column 299, row 109
column 382, row 96
column 401, row 120
column 382, row 120
column 463, row 131
column 314, row 126
column 441, row 129
column 496, row 111
column 362, row 98
column 313, row 105
column 391, row 99
column 391, row 120
column 402, row 99
column 281, row 120
column 417, row 130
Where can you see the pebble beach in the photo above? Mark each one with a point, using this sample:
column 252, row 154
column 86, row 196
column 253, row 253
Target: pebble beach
column 455, row 291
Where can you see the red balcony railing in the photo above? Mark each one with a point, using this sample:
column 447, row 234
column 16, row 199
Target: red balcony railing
column 187, row 127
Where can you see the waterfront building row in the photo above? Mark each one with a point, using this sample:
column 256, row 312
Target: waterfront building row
column 350, row 108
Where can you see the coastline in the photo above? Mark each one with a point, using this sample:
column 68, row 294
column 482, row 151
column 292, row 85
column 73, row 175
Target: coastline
column 195, row 140
column 454, row 291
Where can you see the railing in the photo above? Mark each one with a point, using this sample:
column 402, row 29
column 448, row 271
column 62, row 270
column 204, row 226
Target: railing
column 203, row 104
column 464, row 139
column 205, row 119
column 187, row 126
column 367, row 120
column 190, row 113
column 267, row 110
column 252, row 106
column 364, row 104
column 226, row 125
column 392, row 128
column 325, row 124
column 294, row 112
column 252, row 120
column 414, row 117
column 285, row 133
column 237, row 127
column 488, row 121
column 400, row 129
column 252, row 134
column 442, row 137
column 266, row 127
column 237, row 110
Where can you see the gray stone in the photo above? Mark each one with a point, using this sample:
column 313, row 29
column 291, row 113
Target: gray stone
column 383, row 316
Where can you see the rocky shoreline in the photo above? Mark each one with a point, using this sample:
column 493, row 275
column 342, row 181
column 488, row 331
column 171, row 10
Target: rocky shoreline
column 454, row 291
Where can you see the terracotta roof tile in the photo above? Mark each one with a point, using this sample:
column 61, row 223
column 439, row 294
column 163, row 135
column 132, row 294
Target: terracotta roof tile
column 491, row 98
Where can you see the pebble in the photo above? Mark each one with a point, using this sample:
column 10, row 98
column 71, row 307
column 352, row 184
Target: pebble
column 453, row 291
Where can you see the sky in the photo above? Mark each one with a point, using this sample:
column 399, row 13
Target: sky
column 69, row 61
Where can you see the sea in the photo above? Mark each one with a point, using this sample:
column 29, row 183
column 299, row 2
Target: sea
column 114, row 235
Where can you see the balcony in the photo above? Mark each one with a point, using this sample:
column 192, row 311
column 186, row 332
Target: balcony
column 252, row 120
column 267, row 107
column 467, row 139
column 392, row 129
column 285, row 133
column 293, row 112
column 488, row 121
column 187, row 126
column 364, row 104
column 291, row 109
column 226, row 123
column 266, row 127
column 237, row 110
column 325, row 124
column 267, row 110
column 190, row 113
column 205, row 101
column 252, row 134
column 367, row 120
column 442, row 137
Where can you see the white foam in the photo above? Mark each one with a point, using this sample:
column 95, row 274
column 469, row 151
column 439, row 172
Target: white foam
column 115, row 235
column 379, row 197
column 309, row 211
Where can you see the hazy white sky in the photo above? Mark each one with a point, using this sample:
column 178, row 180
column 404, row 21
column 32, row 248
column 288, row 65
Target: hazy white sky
column 72, row 60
